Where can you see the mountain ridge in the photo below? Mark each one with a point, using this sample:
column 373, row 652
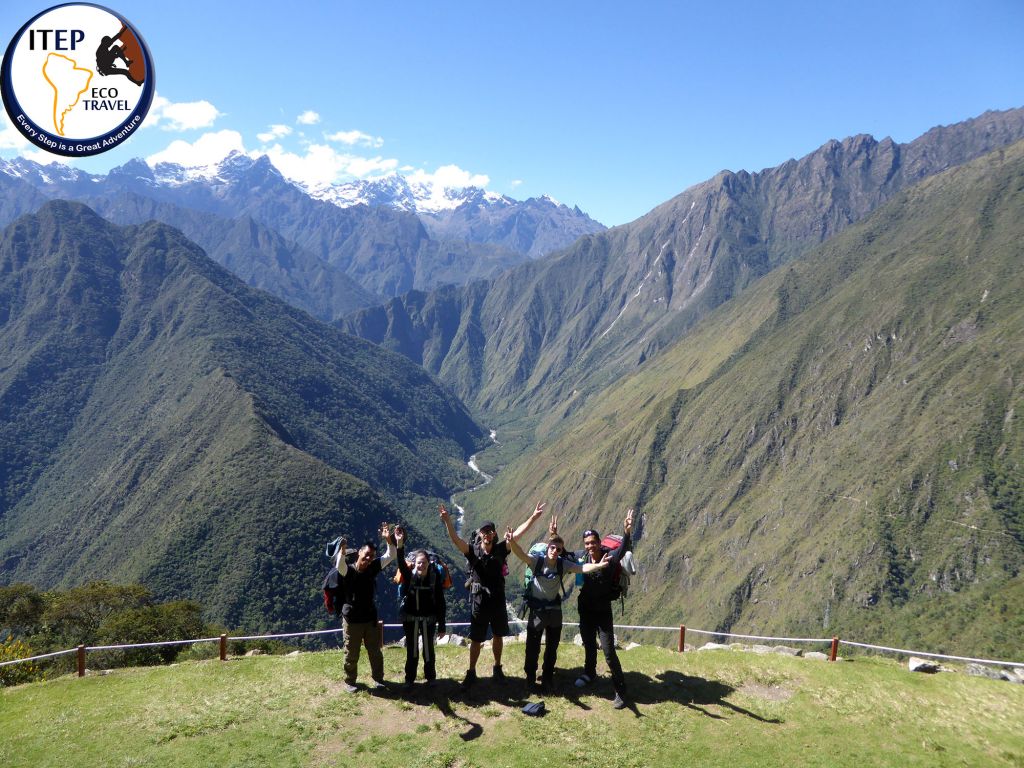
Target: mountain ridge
column 594, row 311
column 162, row 422
column 839, row 449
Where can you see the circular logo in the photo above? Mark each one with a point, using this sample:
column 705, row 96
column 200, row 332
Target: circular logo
column 77, row 80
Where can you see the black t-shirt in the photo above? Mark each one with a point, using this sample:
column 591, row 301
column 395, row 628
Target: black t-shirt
column 360, row 590
column 490, row 569
column 596, row 592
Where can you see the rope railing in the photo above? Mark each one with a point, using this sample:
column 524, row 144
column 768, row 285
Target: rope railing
column 1017, row 664
column 36, row 658
column 681, row 629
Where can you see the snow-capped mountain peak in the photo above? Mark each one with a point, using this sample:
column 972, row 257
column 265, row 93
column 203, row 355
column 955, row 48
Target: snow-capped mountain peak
column 224, row 171
column 398, row 191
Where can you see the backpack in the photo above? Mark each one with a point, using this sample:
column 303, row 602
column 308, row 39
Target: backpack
column 537, row 553
column 332, row 590
column 540, row 549
column 331, row 586
column 622, row 571
column 438, row 570
column 473, row 585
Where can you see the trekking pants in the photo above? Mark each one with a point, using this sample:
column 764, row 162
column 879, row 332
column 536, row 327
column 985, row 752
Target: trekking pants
column 596, row 625
column 546, row 622
column 420, row 629
column 362, row 633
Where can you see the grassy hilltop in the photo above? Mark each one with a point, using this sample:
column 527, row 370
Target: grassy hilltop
column 695, row 709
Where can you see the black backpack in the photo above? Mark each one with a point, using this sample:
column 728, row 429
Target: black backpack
column 473, row 585
column 331, row 586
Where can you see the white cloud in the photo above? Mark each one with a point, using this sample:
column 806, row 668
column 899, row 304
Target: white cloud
column 206, row 150
column 181, row 116
column 12, row 138
column 364, row 166
column 356, row 137
column 322, row 164
column 449, row 177
column 515, row 183
column 309, row 117
column 276, row 132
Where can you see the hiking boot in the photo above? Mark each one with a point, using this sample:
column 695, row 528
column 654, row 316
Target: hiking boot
column 408, row 687
column 349, row 687
column 545, row 684
column 584, row 680
column 619, row 702
column 468, row 680
column 431, row 683
column 498, row 675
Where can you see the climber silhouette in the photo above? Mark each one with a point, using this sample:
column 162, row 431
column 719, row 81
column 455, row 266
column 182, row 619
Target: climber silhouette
column 111, row 50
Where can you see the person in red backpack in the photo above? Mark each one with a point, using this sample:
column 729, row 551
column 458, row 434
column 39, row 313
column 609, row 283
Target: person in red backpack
column 423, row 610
column 595, row 607
column 544, row 596
column 358, row 583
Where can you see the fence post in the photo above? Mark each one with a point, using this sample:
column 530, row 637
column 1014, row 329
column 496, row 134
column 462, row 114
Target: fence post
column 380, row 631
column 223, row 647
column 682, row 638
column 81, row 661
column 835, row 649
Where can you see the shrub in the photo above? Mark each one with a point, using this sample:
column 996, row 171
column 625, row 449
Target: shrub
column 16, row 674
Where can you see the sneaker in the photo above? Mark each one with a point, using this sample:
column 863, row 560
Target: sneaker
column 498, row 675
column 468, row 680
column 349, row 687
column 431, row 683
column 378, row 685
column 584, row 680
column 545, row 684
column 619, row 702
column 408, row 687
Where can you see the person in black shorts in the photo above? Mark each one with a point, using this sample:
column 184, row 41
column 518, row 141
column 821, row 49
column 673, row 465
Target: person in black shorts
column 485, row 559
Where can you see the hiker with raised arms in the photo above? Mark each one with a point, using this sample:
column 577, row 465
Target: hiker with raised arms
column 595, row 607
column 485, row 560
column 358, row 584
column 422, row 611
column 544, row 596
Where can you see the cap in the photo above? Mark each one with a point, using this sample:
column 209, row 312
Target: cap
column 488, row 524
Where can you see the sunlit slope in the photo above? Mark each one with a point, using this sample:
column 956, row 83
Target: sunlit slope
column 838, row 450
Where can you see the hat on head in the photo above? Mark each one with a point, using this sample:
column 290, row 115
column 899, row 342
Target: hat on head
column 488, row 524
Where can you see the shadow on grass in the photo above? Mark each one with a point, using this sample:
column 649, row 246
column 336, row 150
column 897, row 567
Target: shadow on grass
column 693, row 692
column 444, row 692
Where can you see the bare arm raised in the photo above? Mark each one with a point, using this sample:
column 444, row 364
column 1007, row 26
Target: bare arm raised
column 533, row 518
column 389, row 542
column 517, row 550
column 446, row 518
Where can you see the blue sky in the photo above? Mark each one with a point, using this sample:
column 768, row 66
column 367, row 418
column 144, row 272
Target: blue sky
column 612, row 106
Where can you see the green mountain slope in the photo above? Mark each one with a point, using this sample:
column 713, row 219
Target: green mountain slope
column 545, row 336
column 839, row 451
column 161, row 422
